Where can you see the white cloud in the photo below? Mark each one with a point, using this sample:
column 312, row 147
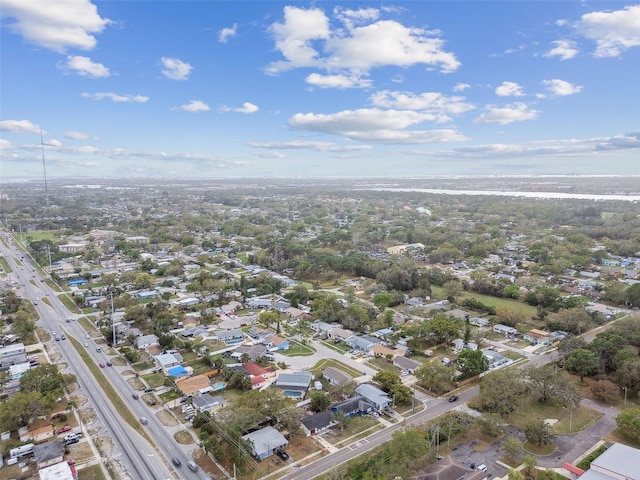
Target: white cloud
column 612, row 31
column 226, row 33
column 565, row 49
column 309, row 145
column 116, row 97
column 20, row 126
column 509, row 89
column 175, row 69
column 5, row 145
column 561, row 88
column 337, row 81
column 374, row 125
column 516, row 112
column 84, row 67
column 195, row 106
column 433, row 102
column 306, row 39
column 56, row 26
column 76, row 135
column 459, row 87
column 53, row 143
column 245, row 108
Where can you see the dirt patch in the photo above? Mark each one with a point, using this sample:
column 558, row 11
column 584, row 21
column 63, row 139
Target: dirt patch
column 206, row 464
column 81, row 452
column 183, row 437
column 302, row 446
column 136, row 383
column 118, row 361
column 104, row 445
column 167, row 419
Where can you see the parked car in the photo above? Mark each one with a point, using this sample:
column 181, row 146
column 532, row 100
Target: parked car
column 66, row 428
column 148, row 389
column 283, row 455
column 453, row 398
column 481, row 468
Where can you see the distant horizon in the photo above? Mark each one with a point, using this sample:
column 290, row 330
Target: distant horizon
column 277, row 89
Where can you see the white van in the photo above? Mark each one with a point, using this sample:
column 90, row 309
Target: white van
column 481, row 468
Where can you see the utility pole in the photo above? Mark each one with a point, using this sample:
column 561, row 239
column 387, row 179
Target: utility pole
column 113, row 321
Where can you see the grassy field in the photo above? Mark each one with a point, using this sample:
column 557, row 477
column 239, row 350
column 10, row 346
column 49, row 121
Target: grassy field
column 5, row 265
column 568, row 420
column 525, row 310
column 297, row 349
column 328, row 362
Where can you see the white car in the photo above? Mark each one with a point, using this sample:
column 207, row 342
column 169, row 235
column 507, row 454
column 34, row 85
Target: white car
column 481, row 468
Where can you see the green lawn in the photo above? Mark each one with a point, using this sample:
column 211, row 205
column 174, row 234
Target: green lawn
column 338, row 347
column 5, row 265
column 568, row 420
column 297, row 349
column 154, row 380
column 329, row 362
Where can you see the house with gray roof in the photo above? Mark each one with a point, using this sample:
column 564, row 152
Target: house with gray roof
column 231, row 337
column 48, row 453
column 360, row 343
column 207, row 402
column 335, row 376
column 617, row 462
column 294, row 385
column 406, row 364
column 145, row 341
column 265, row 442
column 374, row 396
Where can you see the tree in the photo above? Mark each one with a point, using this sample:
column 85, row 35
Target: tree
column 490, row 425
column 565, row 347
column 512, row 448
column 45, row 379
column 606, row 345
column 530, row 463
column 434, row 376
column 540, row 433
column 628, row 376
column 387, row 379
column 472, row 362
column 269, row 317
column 442, row 328
column 629, row 423
column 344, row 390
column 340, row 418
column 400, row 393
column 452, row 288
column 573, row 320
column 513, row 474
column 500, row 392
column 320, row 401
column 16, row 411
column 605, row 391
column 551, row 386
column 582, row 362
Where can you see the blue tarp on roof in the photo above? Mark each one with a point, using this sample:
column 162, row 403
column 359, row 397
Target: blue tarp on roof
column 178, row 371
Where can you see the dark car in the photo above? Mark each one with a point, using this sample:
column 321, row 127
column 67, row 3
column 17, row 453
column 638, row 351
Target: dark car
column 148, row 389
column 101, row 365
column 135, row 396
column 176, row 461
column 453, row 398
column 109, row 364
column 282, row 454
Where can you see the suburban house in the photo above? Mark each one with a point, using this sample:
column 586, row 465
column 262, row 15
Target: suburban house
column 191, row 386
column 48, row 453
column 294, row 385
column 281, row 306
column 253, row 351
column 265, row 442
column 322, row 421
column 255, row 370
column 230, row 308
column 406, row 364
column 459, row 345
column 495, row 359
column 340, row 334
column 538, row 337
column 505, row 330
column 362, row 344
column 145, row 341
column 259, row 303
column 335, row 376
column 322, row 327
column 37, row 432
column 167, row 360
column 231, row 337
column 374, row 396
column 258, row 334
column 479, row 321
column 275, row 343
column 206, row 403
column 13, row 354
column 386, row 352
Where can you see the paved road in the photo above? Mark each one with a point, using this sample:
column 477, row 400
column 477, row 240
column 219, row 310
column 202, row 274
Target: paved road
column 140, row 458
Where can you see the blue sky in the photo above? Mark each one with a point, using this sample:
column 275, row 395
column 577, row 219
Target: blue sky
column 200, row 89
